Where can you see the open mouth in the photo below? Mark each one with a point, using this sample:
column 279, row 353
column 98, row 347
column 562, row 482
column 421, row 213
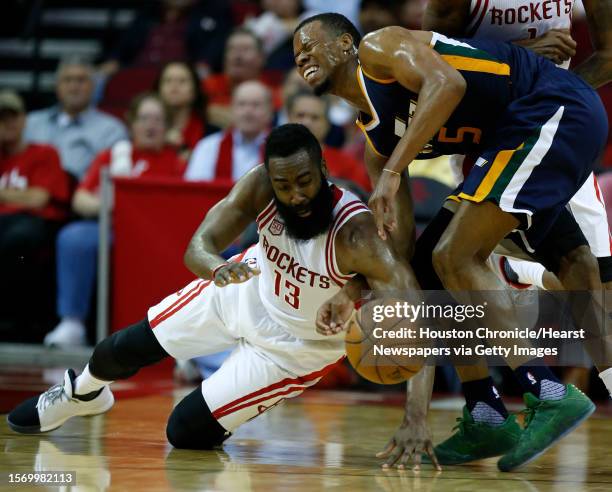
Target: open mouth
column 303, row 213
column 310, row 72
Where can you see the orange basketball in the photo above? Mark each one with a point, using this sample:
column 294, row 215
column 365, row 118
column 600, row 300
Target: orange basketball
column 370, row 363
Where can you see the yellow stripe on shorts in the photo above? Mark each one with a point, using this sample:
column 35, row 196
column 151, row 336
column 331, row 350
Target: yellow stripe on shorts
column 499, row 164
column 477, row 65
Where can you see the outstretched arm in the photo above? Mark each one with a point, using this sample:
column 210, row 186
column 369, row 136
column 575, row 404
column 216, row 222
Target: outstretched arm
column 406, row 56
column 360, row 250
column 224, row 223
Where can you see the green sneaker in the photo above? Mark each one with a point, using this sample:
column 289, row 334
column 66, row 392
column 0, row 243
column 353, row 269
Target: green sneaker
column 546, row 422
column 477, row 441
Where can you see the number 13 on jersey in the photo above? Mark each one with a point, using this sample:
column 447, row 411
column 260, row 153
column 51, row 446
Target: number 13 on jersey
column 287, row 290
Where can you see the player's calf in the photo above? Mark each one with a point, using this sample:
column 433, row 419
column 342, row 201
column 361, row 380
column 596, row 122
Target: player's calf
column 579, row 270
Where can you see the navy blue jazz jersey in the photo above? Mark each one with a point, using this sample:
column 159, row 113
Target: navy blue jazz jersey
column 496, row 75
column 534, row 130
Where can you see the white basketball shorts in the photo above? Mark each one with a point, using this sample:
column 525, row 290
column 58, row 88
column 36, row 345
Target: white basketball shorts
column 267, row 365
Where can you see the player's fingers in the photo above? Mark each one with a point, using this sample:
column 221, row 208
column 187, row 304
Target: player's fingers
column 429, row 449
column 237, row 277
column 388, row 448
column 254, row 271
column 395, row 455
column 562, row 50
column 390, row 224
column 406, row 457
column 417, row 460
column 566, row 38
column 322, row 321
column 222, row 278
column 379, row 219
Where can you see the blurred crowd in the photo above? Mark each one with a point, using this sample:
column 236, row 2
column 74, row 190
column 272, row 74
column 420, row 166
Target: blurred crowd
column 218, row 75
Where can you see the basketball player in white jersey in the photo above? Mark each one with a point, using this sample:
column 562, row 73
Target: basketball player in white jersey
column 313, row 238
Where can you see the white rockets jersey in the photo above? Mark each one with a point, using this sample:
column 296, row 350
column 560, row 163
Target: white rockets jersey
column 298, row 276
column 511, row 20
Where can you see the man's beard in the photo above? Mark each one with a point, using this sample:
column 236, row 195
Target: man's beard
column 319, row 220
column 322, row 88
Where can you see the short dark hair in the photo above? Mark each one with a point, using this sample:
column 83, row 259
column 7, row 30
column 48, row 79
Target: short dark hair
column 136, row 102
column 336, row 23
column 200, row 100
column 292, row 99
column 245, row 31
column 393, row 6
column 288, row 139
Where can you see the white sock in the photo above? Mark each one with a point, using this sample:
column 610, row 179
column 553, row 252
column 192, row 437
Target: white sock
column 86, row 383
column 528, row 272
column 606, row 377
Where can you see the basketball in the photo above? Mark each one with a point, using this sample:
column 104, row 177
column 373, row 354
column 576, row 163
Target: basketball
column 371, row 365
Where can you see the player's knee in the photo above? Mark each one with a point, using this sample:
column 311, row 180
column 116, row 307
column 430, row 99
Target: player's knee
column 443, row 261
column 192, row 425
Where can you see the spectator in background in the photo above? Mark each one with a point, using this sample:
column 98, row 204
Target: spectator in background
column 312, row 112
column 294, row 83
column 233, row 152
column 78, row 131
column 244, row 59
column 229, row 155
column 34, row 195
column 179, row 87
column 348, row 8
column 411, row 16
column 146, row 154
column 174, row 30
column 376, row 14
column 275, row 28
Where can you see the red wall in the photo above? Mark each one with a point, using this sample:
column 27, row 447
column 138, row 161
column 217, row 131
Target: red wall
column 153, row 221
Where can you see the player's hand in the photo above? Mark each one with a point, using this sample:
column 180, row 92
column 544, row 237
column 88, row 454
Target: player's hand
column 234, row 273
column 410, row 441
column 334, row 314
column 557, row 45
column 382, row 203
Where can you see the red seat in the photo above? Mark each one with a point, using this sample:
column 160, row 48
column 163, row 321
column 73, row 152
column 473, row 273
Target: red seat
column 124, row 85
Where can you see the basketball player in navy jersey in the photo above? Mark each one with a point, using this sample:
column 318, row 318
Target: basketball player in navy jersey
column 545, row 29
column 537, row 131
column 313, row 238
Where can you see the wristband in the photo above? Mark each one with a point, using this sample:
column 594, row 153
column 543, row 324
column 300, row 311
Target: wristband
column 391, row 171
column 216, row 269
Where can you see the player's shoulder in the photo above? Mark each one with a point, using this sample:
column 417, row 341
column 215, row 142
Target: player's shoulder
column 255, row 188
column 374, row 40
column 353, row 220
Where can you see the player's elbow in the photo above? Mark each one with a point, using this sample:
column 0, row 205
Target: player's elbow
column 455, row 85
column 190, row 256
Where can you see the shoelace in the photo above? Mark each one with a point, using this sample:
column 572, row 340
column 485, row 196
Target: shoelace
column 461, row 423
column 50, row 396
column 530, row 413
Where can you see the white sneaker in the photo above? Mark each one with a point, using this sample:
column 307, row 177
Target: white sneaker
column 56, row 405
column 68, row 333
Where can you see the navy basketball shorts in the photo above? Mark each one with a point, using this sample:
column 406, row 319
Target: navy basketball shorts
column 543, row 150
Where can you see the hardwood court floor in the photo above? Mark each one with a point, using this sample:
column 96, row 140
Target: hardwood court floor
column 321, row 441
